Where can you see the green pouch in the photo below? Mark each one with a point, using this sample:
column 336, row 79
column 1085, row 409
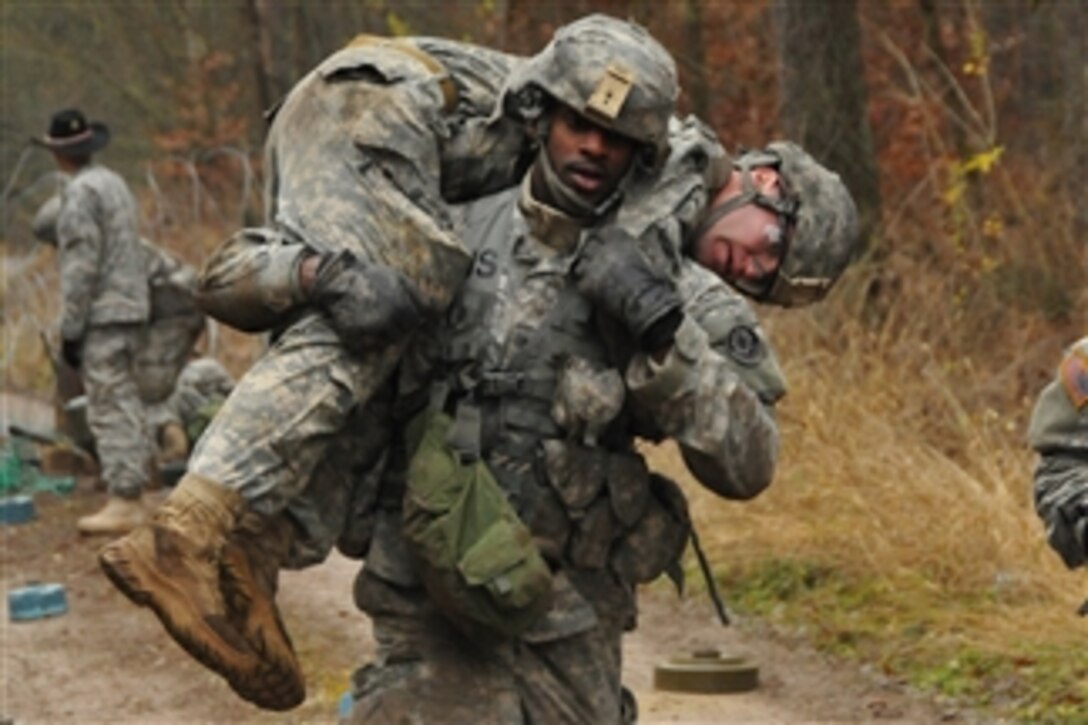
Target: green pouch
column 476, row 557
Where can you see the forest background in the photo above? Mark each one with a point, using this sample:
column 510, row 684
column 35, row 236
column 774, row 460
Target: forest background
column 900, row 529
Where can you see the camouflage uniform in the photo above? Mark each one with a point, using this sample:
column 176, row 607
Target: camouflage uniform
column 1059, row 432
column 174, row 322
column 201, row 388
column 106, row 304
column 175, row 325
column 385, row 120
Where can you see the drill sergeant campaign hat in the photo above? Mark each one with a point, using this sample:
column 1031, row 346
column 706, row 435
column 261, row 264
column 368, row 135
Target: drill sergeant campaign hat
column 611, row 71
column 70, row 134
column 817, row 215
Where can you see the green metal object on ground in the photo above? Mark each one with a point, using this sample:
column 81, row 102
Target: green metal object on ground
column 19, row 474
column 11, row 470
column 707, row 672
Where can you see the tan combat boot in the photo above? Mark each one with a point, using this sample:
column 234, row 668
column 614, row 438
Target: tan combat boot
column 118, row 516
column 171, row 565
column 249, row 576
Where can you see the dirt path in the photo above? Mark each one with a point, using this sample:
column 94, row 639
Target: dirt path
column 107, row 661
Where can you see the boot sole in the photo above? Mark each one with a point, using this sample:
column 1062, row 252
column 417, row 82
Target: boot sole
column 271, row 643
column 260, row 683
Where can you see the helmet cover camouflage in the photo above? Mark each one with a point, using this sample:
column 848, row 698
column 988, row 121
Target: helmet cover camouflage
column 611, row 71
column 825, row 234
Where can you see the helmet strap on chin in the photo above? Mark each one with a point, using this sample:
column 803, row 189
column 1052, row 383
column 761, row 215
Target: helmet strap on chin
column 784, row 207
column 567, row 199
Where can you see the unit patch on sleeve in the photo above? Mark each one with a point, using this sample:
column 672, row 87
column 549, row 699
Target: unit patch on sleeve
column 1074, row 374
column 745, row 346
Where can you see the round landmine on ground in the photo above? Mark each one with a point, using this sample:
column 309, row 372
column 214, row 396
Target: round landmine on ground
column 707, row 671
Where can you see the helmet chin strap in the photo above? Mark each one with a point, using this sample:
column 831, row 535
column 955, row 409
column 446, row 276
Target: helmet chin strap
column 784, row 208
column 571, row 201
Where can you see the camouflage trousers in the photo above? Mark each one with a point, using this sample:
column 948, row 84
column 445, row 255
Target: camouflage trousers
column 428, row 672
column 1061, row 500
column 116, row 414
column 293, row 437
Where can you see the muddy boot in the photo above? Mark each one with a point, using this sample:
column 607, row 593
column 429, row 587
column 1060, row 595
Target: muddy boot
column 249, row 575
column 171, row 565
column 173, row 443
column 118, row 516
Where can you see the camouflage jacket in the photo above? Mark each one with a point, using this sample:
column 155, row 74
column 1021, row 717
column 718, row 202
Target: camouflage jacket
column 1059, row 432
column 711, row 394
column 103, row 273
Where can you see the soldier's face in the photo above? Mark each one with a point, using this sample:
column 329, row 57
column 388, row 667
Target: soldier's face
column 588, row 158
column 744, row 246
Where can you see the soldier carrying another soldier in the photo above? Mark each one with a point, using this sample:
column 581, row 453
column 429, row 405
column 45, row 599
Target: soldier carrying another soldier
column 723, row 359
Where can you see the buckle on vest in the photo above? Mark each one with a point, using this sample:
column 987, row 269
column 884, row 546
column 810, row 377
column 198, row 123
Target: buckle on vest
column 463, row 436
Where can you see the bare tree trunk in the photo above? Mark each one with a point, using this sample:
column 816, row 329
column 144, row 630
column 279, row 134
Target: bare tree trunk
column 823, row 95
column 1074, row 17
column 698, row 88
column 938, row 61
column 263, row 67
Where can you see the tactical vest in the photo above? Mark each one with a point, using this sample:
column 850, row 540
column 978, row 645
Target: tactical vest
column 579, row 495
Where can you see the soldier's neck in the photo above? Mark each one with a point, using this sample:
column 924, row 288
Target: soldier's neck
column 546, row 223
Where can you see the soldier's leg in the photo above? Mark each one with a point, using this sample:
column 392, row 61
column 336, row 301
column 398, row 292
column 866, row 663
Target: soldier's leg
column 577, row 678
column 425, row 670
column 278, row 423
column 257, row 456
column 118, row 420
column 572, row 680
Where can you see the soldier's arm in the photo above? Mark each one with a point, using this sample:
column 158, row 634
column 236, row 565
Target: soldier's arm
column 1059, row 432
column 44, row 225
column 79, row 238
column 713, row 390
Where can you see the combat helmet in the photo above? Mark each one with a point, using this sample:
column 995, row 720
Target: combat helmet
column 611, row 71
column 817, row 213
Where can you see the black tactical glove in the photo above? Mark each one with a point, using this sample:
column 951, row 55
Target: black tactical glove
column 71, row 351
column 616, row 276
column 370, row 305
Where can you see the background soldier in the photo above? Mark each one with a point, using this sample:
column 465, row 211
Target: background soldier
column 199, row 393
column 1059, row 432
column 166, row 341
column 106, row 303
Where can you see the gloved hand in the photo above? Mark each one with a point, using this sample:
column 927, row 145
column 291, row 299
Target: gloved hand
column 370, row 305
column 71, row 351
column 616, row 276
